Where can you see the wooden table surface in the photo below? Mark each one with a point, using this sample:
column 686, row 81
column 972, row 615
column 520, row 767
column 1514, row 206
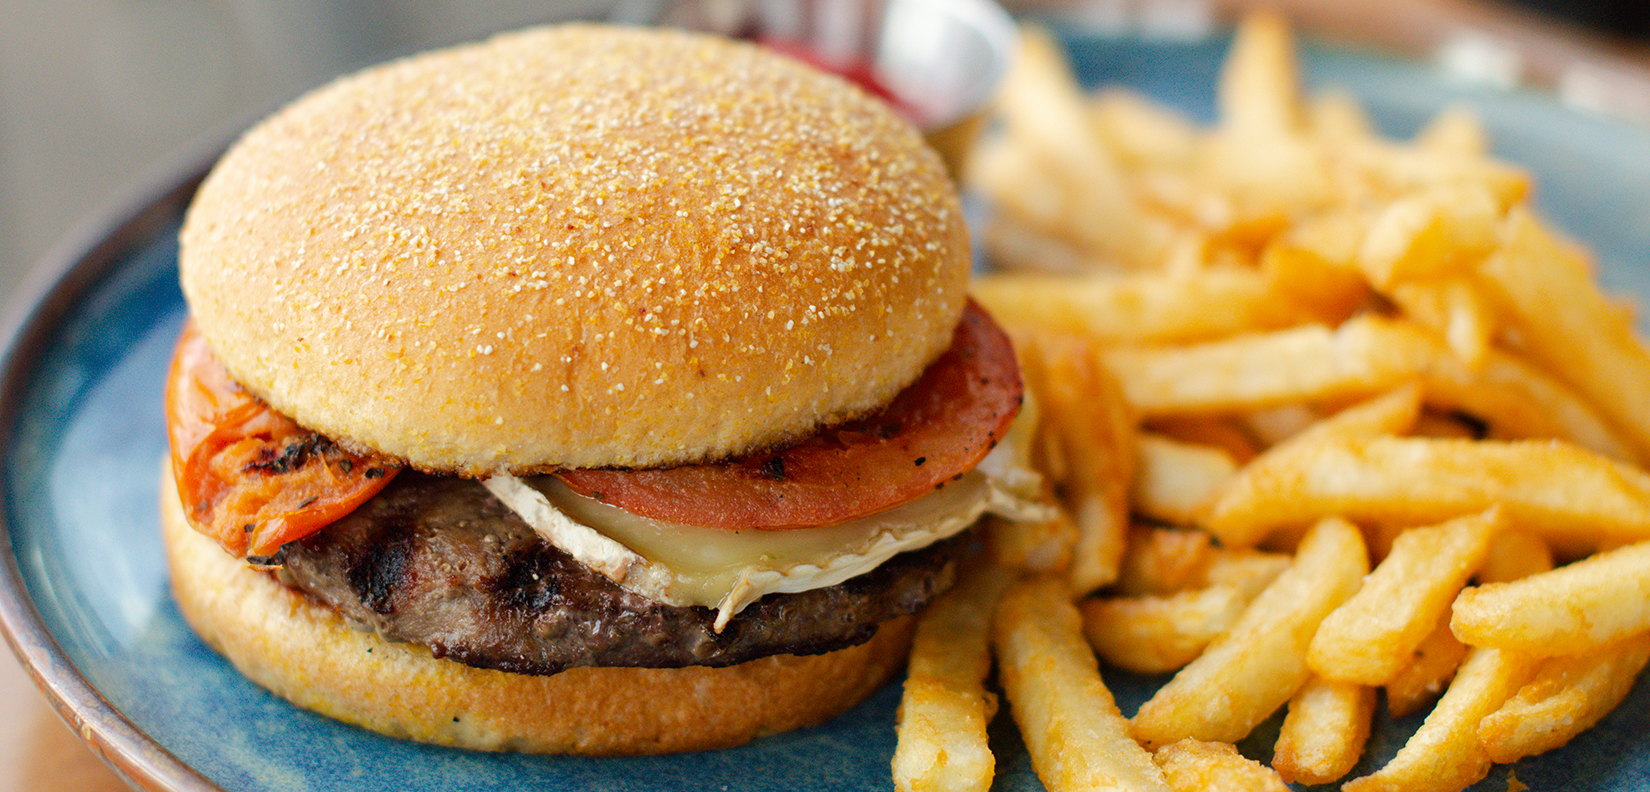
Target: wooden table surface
column 38, row 751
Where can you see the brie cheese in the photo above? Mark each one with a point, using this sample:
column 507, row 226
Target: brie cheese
column 727, row 569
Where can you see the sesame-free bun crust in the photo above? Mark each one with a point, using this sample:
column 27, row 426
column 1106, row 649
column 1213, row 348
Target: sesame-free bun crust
column 577, row 246
column 305, row 653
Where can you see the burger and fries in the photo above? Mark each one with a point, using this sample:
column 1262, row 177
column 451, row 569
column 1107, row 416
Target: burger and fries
column 552, row 393
column 1326, row 415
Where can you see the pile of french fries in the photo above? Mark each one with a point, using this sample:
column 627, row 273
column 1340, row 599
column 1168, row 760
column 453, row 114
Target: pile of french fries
column 1329, row 417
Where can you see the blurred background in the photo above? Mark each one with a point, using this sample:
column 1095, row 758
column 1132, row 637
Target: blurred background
column 95, row 93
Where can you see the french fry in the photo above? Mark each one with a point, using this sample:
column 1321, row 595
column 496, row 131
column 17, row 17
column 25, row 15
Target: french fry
column 1248, row 570
column 1454, row 132
column 1044, row 107
column 1544, row 288
column 1077, row 738
column 1514, row 555
column 1452, row 309
column 1314, row 263
column 1219, row 431
column 1370, row 636
column 1170, row 560
column 1197, row 766
column 1336, row 117
column 1259, row 90
column 1364, row 356
column 1391, row 171
column 1437, row 232
column 1158, row 633
column 1445, row 755
column 1174, row 482
column 1567, row 696
column 1246, row 674
column 1140, row 308
column 1570, row 610
column 945, row 708
column 1274, row 425
column 1035, row 545
column 1324, row 733
column 1164, row 560
column 1574, row 499
column 1095, row 430
column 1141, row 131
column 1428, row 673
column 1520, row 402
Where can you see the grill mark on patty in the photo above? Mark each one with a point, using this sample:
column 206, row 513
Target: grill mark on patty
column 440, row 562
column 379, row 572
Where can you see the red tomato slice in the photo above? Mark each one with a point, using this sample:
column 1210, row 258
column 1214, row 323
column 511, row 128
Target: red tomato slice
column 248, row 476
column 932, row 432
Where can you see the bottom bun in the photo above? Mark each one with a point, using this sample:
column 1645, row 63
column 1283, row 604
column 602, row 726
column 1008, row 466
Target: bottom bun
column 307, row 654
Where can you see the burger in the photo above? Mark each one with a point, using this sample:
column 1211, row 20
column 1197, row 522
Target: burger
column 587, row 389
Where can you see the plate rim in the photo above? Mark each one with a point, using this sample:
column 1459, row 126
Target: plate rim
column 88, row 255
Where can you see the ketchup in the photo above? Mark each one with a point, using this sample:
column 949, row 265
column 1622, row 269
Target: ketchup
column 859, row 71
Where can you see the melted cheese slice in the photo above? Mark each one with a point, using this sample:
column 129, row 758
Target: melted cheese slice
column 727, row 570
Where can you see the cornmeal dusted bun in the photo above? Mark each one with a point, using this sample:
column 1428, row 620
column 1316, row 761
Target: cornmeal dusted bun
column 573, row 247
column 305, row 652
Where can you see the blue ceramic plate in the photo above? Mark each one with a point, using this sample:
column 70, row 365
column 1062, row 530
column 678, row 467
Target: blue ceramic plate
column 85, row 588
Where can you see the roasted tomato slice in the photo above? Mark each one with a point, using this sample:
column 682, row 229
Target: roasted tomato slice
column 934, row 431
column 248, row 476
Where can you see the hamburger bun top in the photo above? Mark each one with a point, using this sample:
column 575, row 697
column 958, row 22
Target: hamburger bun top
column 577, row 246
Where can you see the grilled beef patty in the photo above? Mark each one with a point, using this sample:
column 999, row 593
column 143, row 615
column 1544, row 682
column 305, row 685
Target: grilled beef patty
column 440, row 562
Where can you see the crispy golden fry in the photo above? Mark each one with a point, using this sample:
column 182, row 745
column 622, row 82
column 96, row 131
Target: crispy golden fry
column 943, row 714
column 1390, row 413
column 1246, row 674
column 1570, row 610
column 1274, row 425
column 1455, row 132
column 1221, row 432
column 1016, row 243
column 1143, row 308
column 1336, row 117
column 1428, row 672
column 1371, row 636
column 1174, row 482
column 1513, row 555
column 1454, row 310
column 1392, row 170
column 1520, row 402
column 1095, row 430
column 1033, row 546
column 1324, row 733
column 1544, row 288
column 1076, row 737
column 1164, row 560
column 1444, row 755
column 1141, row 131
column 1315, row 263
column 1248, row 570
column 1270, row 182
column 1565, row 698
column 1170, row 560
column 1366, row 355
column 1259, row 92
column 1437, row 232
column 1157, row 633
column 1047, row 112
column 1574, row 499
column 1197, row 766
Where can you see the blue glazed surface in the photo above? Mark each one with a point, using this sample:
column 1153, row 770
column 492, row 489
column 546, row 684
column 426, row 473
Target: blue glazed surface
column 80, row 478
